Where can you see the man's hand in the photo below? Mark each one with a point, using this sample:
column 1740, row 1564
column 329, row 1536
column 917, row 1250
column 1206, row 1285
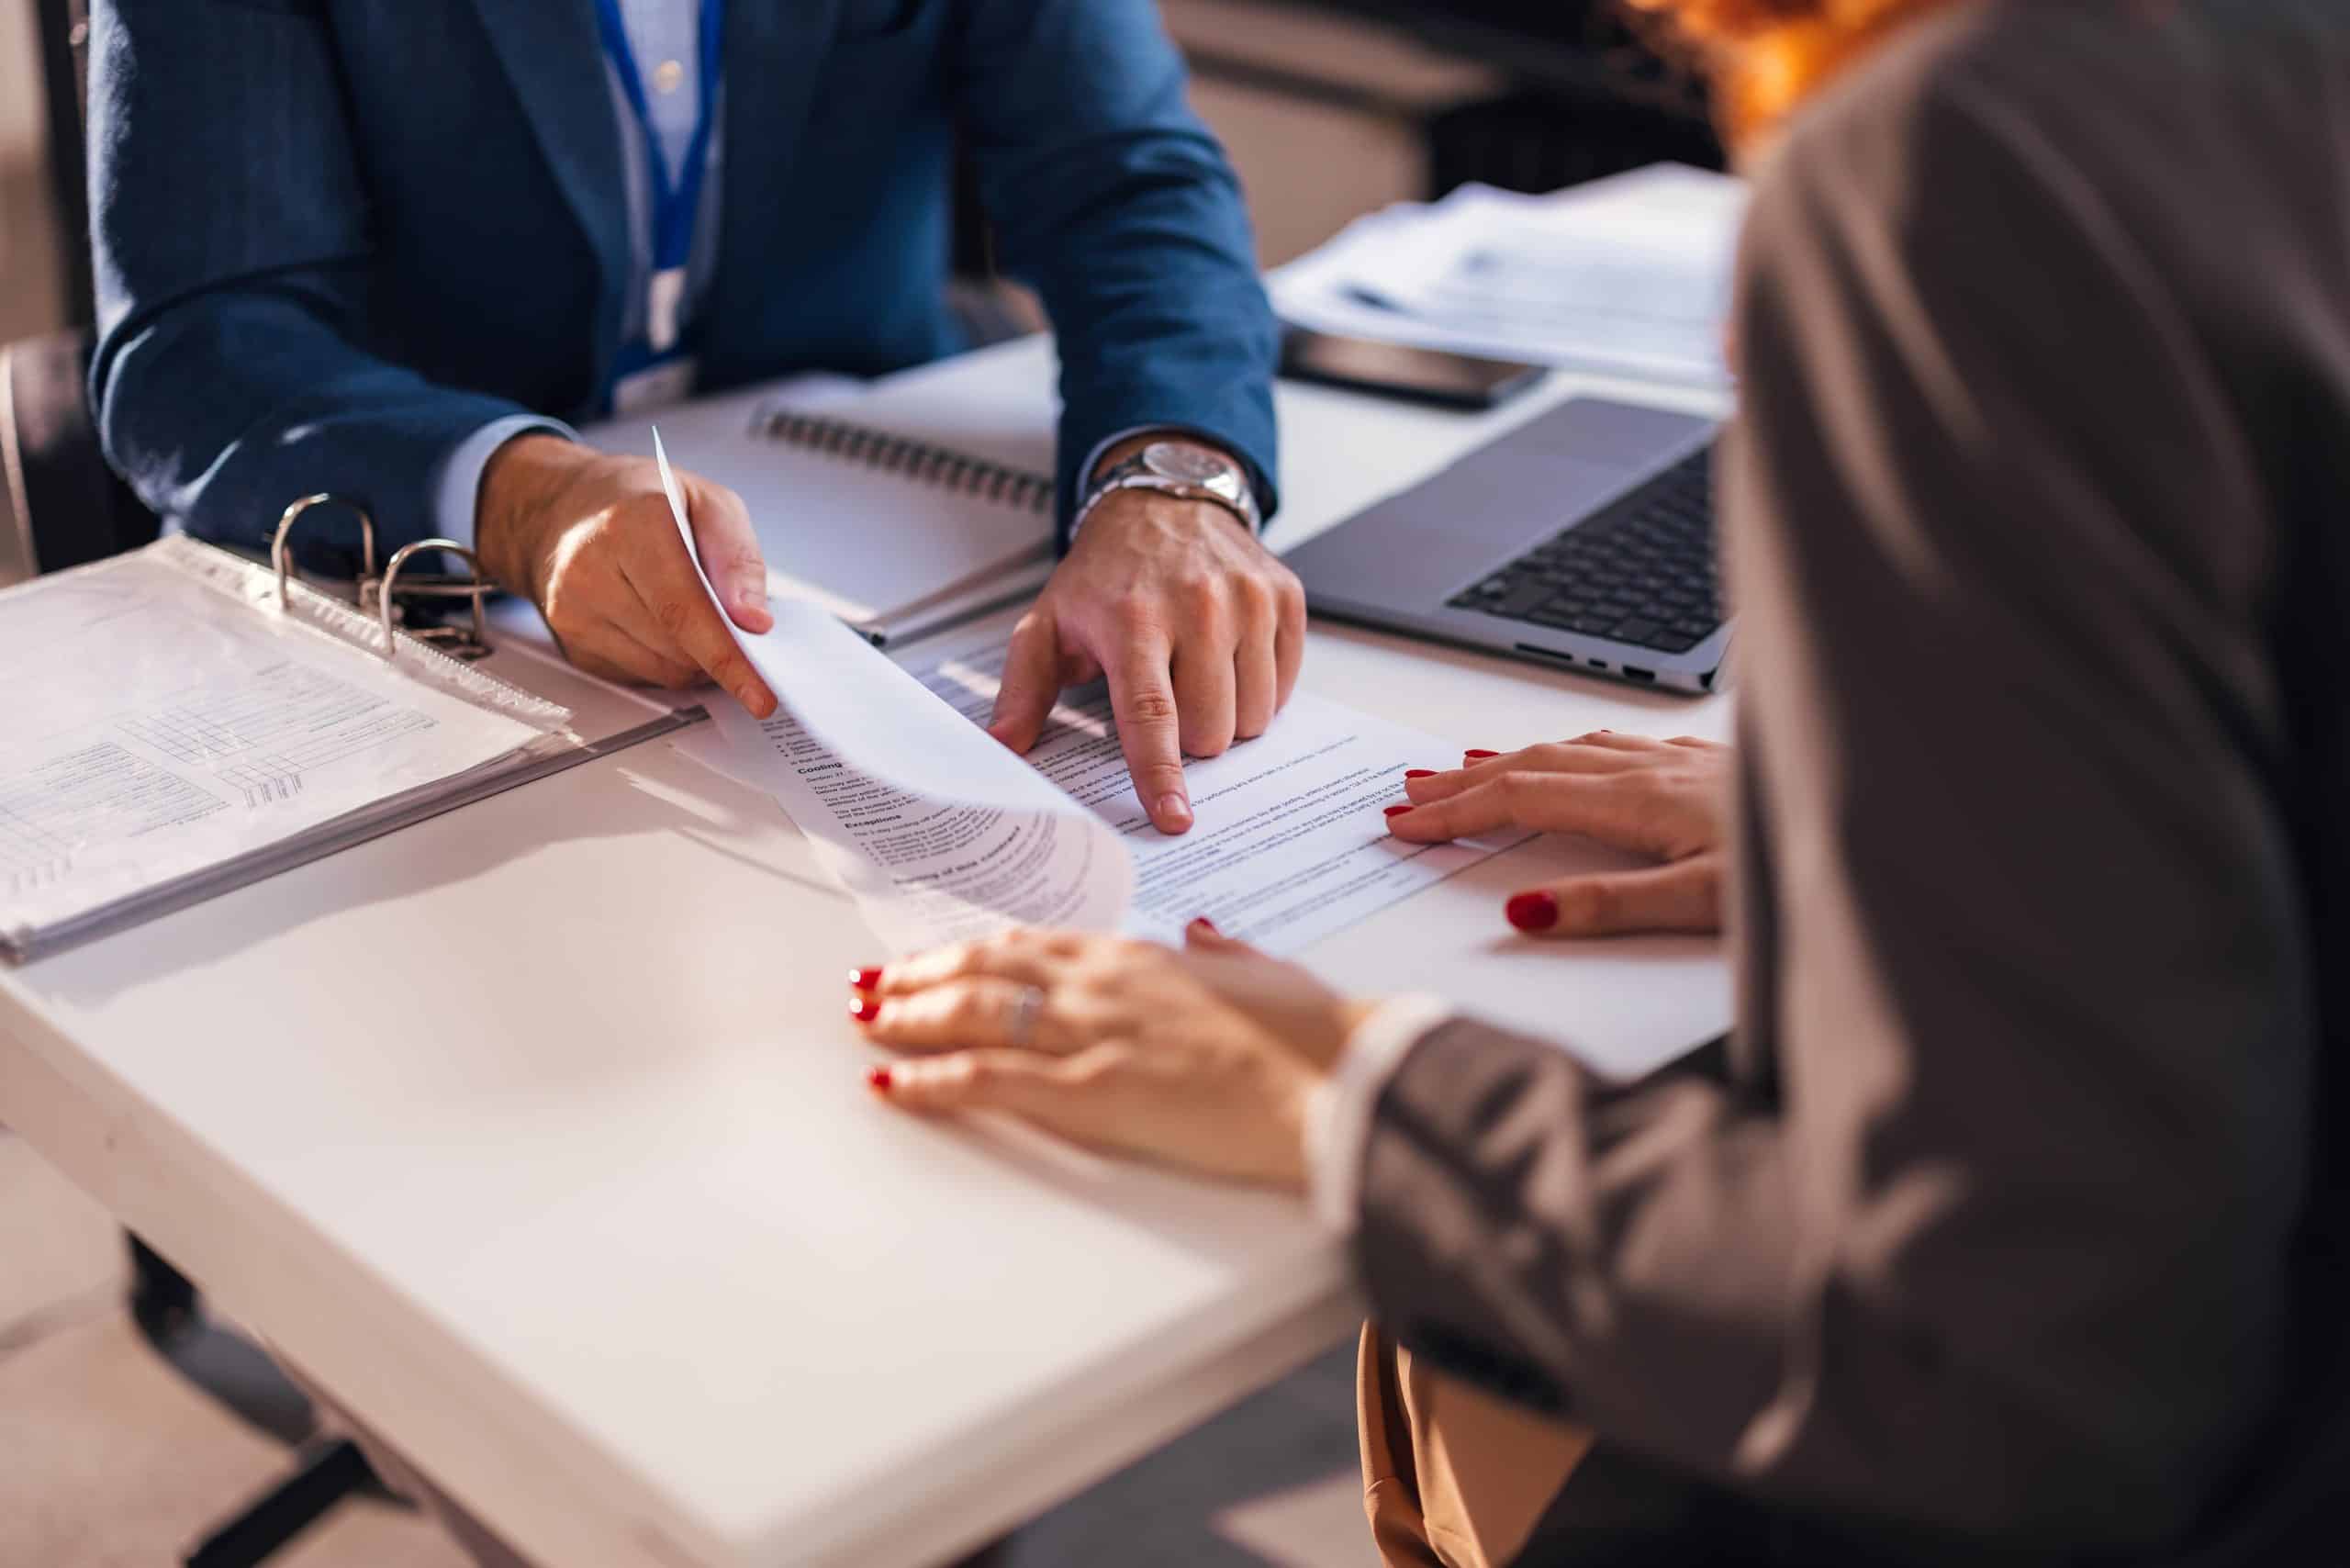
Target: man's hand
column 589, row 538
column 1199, row 629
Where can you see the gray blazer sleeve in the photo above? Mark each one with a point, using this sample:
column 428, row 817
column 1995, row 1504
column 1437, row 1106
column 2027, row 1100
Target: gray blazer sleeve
column 1987, row 1228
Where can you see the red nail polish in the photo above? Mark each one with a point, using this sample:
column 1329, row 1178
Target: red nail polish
column 879, row 1080
column 1419, row 773
column 864, row 979
column 1205, row 923
column 1535, row 911
column 864, row 1008
column 1479, row 756
column 1398, row 811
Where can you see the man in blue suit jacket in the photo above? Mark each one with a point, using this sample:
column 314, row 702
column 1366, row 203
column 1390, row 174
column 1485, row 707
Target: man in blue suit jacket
column 384, row 247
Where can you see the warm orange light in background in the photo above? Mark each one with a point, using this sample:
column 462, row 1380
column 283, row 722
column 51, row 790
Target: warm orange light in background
column 1767, row 56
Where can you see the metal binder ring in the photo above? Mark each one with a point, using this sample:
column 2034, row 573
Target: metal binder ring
column 475, row 587
column 282, row 559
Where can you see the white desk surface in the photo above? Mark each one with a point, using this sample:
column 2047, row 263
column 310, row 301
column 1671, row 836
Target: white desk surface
column 538, row 1134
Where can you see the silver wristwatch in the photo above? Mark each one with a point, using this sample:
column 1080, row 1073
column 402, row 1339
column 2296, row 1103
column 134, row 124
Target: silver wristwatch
column 1180, row 468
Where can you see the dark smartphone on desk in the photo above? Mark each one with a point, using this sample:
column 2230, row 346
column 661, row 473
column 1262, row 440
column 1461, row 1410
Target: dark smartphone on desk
column 1398, row 370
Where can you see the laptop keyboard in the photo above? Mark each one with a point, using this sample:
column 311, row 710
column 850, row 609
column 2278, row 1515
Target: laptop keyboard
column 1639, row 572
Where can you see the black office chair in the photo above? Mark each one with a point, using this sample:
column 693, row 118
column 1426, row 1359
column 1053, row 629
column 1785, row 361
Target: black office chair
column 69, row 506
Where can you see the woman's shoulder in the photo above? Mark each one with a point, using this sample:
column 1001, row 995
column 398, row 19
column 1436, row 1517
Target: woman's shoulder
column 1937, row 106
column 2144, row 117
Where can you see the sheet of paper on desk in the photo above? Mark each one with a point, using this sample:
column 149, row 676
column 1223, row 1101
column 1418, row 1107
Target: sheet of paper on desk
column 941, row 833
column 1628, row 275
column 1287, row 847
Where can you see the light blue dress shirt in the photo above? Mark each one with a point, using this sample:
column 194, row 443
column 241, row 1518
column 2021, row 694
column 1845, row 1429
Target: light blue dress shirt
column 663, row 34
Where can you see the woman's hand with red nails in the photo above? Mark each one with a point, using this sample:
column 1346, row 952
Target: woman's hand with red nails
column 1668, row 799
column 1201, row 1057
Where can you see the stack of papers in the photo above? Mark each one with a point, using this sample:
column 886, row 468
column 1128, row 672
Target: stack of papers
column 1628, row 275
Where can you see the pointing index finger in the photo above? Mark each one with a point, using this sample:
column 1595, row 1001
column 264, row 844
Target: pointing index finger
column 1142, row 698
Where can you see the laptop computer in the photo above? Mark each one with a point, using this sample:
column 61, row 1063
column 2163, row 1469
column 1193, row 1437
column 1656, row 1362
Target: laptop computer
column 1583, row 539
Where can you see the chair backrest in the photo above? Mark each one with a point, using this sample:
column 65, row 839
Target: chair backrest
column 64, row 32
column 66, row 507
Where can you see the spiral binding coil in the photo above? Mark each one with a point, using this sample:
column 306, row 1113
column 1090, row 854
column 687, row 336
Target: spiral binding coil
column 917, row 460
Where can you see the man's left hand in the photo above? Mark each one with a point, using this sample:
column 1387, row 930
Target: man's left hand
column 1199, row 629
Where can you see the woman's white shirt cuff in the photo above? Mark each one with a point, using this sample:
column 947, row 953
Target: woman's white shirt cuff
column 1339, row 1113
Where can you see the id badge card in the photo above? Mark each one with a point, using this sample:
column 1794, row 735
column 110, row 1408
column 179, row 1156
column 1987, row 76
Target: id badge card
column 653, row 385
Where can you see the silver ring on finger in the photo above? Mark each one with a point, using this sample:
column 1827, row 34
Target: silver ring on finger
column 1019, row 1026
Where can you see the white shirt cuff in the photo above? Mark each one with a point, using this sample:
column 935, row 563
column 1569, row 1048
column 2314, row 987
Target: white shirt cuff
column 456, row 489
column 1339, row 1113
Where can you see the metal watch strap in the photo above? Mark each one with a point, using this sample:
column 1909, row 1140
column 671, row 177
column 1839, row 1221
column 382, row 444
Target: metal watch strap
column 1134, row 471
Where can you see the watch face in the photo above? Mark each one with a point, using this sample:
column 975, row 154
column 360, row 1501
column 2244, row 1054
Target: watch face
column 1187, row 463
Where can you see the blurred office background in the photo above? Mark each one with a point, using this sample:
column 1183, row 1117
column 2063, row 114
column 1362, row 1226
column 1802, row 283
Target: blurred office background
column 32, row 289
column 1331, row 108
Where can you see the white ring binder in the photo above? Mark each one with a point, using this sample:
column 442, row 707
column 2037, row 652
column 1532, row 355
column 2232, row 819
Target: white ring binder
column 208, row 721
column 282, row 560
column 374, row 593
column 447, row 639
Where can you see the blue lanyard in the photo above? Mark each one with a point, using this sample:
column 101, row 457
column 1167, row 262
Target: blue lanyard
column 676, row 203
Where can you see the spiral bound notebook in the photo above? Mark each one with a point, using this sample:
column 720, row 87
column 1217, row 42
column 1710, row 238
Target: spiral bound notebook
column 898, row 508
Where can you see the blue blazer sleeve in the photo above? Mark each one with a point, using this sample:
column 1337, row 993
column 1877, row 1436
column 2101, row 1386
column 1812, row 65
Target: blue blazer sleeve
column 1115, row 204
column 229, row 224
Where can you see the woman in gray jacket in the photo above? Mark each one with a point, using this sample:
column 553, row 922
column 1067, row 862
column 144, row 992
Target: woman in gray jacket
column 2003, row 1228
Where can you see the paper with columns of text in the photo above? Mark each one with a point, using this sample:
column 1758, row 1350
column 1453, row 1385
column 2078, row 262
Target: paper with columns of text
column 941, row 833
column 168, row 727
column 1288, row 844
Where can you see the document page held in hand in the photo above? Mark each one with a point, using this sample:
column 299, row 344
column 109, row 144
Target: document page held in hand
column 942, row 833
